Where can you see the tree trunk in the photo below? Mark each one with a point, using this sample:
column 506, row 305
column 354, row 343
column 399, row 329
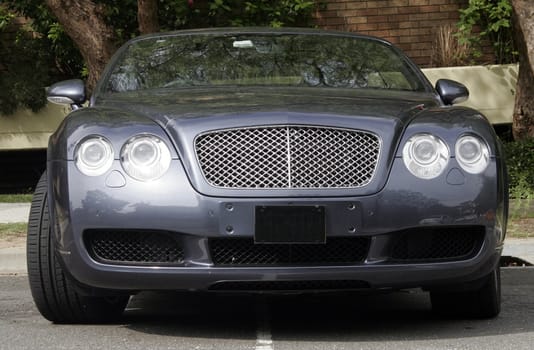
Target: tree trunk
column 147, row 16
column 523, row 19
column 84, row 22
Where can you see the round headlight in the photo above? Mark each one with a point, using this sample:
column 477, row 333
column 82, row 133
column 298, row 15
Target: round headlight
column 94, row 156
column 145, row 157
column 472, row 154
column 425, row 155
column 424, row 150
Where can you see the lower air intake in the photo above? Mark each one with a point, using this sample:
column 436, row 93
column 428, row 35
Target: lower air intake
column 243, row 251
column 437, row 244
column 134, row 247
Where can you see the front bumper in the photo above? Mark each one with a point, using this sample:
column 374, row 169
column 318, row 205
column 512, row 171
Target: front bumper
column 80, row 204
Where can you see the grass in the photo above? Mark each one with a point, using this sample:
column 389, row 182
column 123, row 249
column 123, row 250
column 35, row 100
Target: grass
column 15, row 198
column 520, row 228
column 13, row 230
column 522, row 209
column 521, row 219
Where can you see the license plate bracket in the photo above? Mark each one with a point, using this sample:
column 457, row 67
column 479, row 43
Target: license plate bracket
column 290, row 224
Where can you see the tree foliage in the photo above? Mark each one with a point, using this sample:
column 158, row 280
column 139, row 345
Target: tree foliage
column 5, row 18
column 259, row 12
column 39, row 54
column 520, row 162
column 509, row 26
column 78, row 55
column 27, row 64
column 67, row 59
column 26, row 70
column 493, row 18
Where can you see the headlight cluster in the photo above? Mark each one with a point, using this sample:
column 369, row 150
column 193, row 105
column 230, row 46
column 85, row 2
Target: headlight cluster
column 472, row 153
column 94, row 156
column 143, row 157
column 426, row 156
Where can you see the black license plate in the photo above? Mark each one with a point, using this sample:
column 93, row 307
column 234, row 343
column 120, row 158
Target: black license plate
column 290, row 224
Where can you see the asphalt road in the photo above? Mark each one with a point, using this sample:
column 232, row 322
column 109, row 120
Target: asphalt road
column 191, row 321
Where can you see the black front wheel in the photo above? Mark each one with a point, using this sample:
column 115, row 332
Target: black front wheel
column 483, row 302
column 54, row 294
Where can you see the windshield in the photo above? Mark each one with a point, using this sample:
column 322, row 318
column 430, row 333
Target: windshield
column 327, row 61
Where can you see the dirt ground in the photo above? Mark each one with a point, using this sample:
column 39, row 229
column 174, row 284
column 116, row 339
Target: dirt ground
column 13, row 241
column 521, row 228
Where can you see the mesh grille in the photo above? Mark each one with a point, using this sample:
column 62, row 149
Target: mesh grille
column 288, row 157
column 432, row 244
column 133, row 247
column 243, row 251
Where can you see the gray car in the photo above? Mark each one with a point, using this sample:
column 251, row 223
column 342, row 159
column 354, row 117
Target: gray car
column 263, row 160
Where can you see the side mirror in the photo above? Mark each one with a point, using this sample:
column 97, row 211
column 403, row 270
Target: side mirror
column 451, row 92
column 68, row 92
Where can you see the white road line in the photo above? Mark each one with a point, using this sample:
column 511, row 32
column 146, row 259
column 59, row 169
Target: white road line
column 264, row 340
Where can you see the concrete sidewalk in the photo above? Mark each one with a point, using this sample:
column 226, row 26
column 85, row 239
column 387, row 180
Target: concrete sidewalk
column 13, row 259
column 14, row 212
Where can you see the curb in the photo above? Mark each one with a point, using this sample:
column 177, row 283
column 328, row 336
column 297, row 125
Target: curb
column 519, row 248
column 13, row 261
column 14, row 212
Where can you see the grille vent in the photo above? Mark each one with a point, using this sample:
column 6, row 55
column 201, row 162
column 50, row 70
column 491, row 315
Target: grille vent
column 134, row 247
column 288, row 157
column 437, row 244
column 243, row 251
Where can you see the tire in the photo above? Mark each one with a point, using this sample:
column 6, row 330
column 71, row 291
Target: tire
column 484, row 302
column 54, row 294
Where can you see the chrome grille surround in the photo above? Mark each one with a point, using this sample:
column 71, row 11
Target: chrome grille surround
column 288, row 157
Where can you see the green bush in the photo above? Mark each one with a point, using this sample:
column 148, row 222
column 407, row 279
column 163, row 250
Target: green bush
column 39, row 54
column 520, row 162
column 273, row 13
column 5, row 18
column 26, row 71
column 494, row 20
column 47, row 54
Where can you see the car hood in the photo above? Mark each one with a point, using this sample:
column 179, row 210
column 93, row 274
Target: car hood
column 186, row 114
column 171, row 106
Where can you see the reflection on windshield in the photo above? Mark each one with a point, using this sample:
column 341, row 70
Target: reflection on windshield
column 260, row 59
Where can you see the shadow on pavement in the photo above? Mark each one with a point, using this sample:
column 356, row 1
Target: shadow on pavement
column 322, row 317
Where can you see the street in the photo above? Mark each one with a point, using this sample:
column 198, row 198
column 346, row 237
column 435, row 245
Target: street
column 399, row 320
